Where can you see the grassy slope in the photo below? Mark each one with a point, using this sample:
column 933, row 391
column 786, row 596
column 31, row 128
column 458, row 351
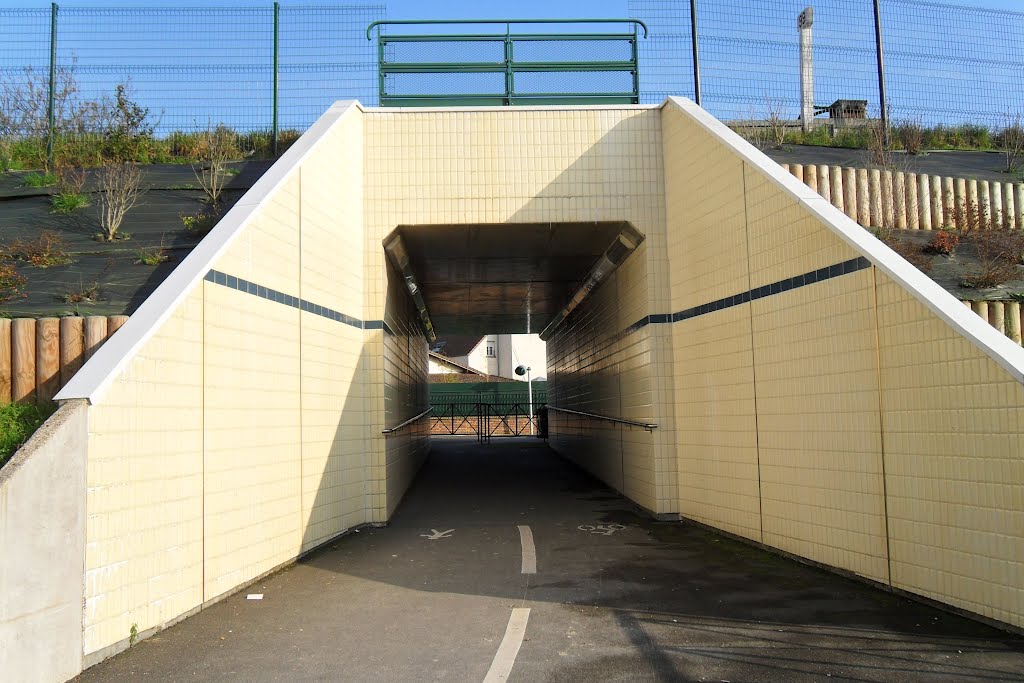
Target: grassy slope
column 17, row 423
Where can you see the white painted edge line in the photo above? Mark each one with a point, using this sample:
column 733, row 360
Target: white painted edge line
column 529, row 550
column 969, row 324
column 505, row 657
column 93, row 379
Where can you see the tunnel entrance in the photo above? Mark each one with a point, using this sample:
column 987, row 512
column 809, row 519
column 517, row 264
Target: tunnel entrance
column 505, row 278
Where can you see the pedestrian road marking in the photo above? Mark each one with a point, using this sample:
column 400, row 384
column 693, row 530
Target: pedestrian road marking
column 505, row 657
column 529, row 550
column 602, row 529
column 435, row 534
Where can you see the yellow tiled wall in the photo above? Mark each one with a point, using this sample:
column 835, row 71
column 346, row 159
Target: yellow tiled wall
column 524, row 166
column 953, row 421
column 235, row 438
column 596, row 364
column 245, row 430
column 839, row 419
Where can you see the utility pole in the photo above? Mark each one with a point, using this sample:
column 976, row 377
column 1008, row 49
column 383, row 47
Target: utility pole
column 696, row 52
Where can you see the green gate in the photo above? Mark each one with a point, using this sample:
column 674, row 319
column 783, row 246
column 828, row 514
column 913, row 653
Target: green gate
column 425, row 69
column 486, row 415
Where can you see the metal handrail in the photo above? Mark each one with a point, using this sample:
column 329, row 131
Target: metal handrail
column 504, row 21
column 649, row 426
column 407, row 422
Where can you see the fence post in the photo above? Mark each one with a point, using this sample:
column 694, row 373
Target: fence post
column 5, row 361
column 882, row 100
column 23, row 360
column 53, row 84
column 696, row 52
column 277, row 12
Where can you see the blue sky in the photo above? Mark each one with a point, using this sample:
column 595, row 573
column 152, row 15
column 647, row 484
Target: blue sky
column 447, row 9
column 946, row 66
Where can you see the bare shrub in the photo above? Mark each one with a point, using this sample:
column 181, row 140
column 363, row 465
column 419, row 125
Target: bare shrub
column 1012, row 142
column 217, row 146
column 48, row 249
column 119, row 186
column 999, row 252
column 70, row 179
column 910, row 134
column 775, row 122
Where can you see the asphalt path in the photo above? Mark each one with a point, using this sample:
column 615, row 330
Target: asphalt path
column 446, row 592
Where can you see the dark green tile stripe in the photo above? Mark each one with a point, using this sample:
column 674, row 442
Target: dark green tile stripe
column 232, row 282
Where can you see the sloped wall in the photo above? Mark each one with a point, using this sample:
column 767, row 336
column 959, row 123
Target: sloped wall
column 830, row 400
column 227, row 430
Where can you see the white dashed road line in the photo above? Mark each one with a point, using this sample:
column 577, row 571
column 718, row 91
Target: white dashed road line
column 505, row 657
column 529, row 550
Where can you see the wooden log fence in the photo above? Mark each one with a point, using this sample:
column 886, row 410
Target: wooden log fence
column 1005, row 316
column 39, row 356
column 915, row 201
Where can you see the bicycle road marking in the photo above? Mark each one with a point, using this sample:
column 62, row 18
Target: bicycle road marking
column 602, row 529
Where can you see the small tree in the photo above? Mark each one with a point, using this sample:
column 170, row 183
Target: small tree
column 119, row 186
column 217, row 147
column 129, row 133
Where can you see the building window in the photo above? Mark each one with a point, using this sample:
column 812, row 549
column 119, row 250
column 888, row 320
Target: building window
column 490, row 351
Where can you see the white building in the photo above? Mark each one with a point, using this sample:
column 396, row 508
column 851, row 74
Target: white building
column 495, row 354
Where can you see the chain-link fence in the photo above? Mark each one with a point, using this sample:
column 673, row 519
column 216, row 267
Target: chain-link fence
column 943, row 64
column 261, row 72
column 266, row 72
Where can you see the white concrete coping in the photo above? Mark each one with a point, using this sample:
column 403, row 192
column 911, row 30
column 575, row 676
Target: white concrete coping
column 996, row 345
column 96, row 375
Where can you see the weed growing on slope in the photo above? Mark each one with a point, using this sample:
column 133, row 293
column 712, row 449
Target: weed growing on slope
column 39, row 179
column 12, row 284
column 46, row 250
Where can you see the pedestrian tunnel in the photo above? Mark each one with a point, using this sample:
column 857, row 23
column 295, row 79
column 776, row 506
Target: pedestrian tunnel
column 802, row 386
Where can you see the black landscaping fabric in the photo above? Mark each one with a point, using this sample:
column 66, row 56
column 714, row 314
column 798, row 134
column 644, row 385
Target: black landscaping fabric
column 122, row 282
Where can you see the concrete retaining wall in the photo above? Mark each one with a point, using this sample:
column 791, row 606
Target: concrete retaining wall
column 42, row 551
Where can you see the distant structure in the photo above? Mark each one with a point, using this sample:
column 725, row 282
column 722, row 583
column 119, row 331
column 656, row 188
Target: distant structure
column 845, row 113
column 804, row 23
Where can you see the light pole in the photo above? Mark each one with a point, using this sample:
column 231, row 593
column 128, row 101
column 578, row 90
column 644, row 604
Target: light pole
column 525, row 370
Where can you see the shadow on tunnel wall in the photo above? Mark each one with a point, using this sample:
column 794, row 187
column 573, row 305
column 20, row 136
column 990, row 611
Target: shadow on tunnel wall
column 362, row 463
column 603, row 359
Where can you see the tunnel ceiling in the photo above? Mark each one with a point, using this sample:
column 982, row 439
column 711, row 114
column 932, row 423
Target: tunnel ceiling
column 497, row 279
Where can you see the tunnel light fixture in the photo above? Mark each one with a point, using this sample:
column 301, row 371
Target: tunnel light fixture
column 625, row 243
column 396, row 252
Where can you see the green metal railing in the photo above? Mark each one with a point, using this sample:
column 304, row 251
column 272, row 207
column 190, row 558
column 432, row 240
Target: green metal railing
column 507, row 68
